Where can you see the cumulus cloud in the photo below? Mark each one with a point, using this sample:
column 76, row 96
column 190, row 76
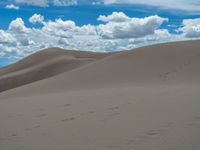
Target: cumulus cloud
column 114, row 17
column 17, row 25
column 6, row 38
column 121, row 26
column 59, row 28
column 36, row 18
column 191, row 28
column 11, row 6
column 63, row 41
column 117, row 32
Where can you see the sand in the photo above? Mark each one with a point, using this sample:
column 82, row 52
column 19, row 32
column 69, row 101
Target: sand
column 143, row 99
column 44, row 64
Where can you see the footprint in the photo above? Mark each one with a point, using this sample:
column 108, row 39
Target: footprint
column 113, row 114
column 28, row 129
column 167, row 73
column 68, row 119
column 91, row 112
column 152, row 133
column 175, row 70
column 197, row 117
column 130, row 141
column 113, row 108
column 14, row 135
column 42, row 115
column 112, row 147
column 67, row 105
column 163, row 77
column 37, row 126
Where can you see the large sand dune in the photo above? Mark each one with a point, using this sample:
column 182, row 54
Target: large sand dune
column 44, row 64
column 144, row 99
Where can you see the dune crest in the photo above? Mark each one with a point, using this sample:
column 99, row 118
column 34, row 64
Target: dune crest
column 44, row 64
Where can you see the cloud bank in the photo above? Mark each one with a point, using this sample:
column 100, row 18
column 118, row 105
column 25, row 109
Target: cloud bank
column 186, row 5
column 116, row 31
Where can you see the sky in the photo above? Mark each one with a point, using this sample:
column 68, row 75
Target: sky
column 27, row 26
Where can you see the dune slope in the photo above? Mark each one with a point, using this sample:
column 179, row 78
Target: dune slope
column 144, row 99
column 44, row 64
column 163, row 64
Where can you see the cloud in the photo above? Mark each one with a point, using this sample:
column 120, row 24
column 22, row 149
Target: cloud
column 64, row 2
column 188, row 5
column 67, row 28
column 40, row 3
column 191, row 28
column 120, row 26
column 45, row 3
column 114, row 17
column 63, row 42
column 36, row 18
column 59, row 28
column 117, row 32
column 18, row 26
column 11, row 6
column 6, row 38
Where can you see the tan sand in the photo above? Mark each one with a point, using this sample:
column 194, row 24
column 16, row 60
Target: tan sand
column 144, row 99
column 44, row 64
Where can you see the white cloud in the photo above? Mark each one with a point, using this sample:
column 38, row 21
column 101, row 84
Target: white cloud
column 40, row 3
column 119, row 32
column 67, row 29
column 85, row 30
column 45, row 3
column 191, row 28
column 11, row 6
column 121, row 26
column 36, row 18
column 64, row 2
column 188, row 5
column 63, row 42
column 59, row 28
column 6, row 38
column 114, row 17
column 96, row 3
column 17, row 25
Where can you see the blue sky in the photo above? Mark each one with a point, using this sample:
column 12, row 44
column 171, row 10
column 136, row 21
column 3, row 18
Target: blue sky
column 27, row 26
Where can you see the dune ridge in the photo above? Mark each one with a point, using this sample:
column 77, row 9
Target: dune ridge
column 44, row 64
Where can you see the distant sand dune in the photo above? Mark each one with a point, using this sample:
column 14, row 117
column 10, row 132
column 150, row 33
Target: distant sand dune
column 143, row 99
column 44, row 64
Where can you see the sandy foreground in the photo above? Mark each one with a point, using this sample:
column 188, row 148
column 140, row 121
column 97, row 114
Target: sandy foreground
column 144, row 99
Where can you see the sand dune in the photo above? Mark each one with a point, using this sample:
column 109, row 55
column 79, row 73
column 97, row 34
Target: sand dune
column 44, row 64
column 164, row 64
column 147, row 98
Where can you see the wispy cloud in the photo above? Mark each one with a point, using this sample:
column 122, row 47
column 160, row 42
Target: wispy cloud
column 188, row 5
column 185, row 5
column 41, row 3
column 46, row 3
column 11, row 6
